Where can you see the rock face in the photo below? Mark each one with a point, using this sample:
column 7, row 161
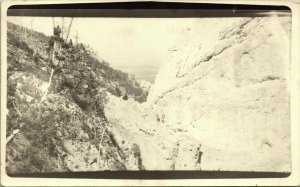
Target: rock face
column 154, row 144
column 225, row 83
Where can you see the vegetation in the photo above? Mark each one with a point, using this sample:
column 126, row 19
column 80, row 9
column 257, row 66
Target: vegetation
column 51, row 103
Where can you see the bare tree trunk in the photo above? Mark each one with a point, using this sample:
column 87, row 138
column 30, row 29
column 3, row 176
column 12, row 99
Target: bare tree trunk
column 69, row 29
column 52, row 70
column 53, row 22
column 15, row 132
column 76, row 37
column 25, row 35
column 31, row 28
column 62, row 27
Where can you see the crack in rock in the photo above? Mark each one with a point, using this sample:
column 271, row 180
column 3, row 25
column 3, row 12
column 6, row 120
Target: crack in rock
column 229, row 42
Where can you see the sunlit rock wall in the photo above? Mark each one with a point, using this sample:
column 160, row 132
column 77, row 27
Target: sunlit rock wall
column 226, row 83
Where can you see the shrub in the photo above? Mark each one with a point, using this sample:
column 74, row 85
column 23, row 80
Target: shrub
column 19, row 43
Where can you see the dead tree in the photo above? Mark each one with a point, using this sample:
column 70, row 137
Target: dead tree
column 76, row 37
column 62, row 27
column 70, row 25
column 55, row 62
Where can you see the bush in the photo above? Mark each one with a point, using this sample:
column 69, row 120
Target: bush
column 72, row 110
column 13, row 40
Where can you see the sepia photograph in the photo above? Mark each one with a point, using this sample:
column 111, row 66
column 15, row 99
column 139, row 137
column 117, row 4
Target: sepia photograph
column 205, row 91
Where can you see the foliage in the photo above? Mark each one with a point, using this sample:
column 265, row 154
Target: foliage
column 19, row 44
column 73, row 109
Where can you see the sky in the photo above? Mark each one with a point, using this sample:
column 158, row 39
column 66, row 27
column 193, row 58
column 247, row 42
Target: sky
column 134, row 45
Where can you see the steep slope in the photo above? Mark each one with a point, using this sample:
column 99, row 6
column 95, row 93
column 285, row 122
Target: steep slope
column 160, row 146
column 60, row 126
column 220, row 102
column 225, row 82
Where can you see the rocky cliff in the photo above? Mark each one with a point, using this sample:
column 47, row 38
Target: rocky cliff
column 225, row 82
column 220, row 101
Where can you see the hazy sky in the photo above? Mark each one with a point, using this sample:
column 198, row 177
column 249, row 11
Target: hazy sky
column 134, row 45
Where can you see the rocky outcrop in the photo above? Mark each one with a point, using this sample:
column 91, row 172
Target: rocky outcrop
column 225, row 83
column 156, row 146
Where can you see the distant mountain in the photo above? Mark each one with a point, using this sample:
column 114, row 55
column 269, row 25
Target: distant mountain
column 142, row 72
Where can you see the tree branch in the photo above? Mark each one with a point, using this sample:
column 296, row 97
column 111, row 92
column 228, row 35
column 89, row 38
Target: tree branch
column 48, row 87
column 15, row 132
column 45, row 63
column 17, row 109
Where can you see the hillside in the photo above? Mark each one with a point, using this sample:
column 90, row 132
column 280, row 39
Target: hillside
column 61, row 127
column 219, row 102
